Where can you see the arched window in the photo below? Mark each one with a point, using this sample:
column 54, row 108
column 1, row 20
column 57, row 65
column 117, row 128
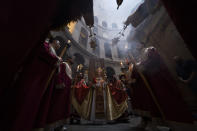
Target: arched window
column 96, row 19
column 83, row 38
column 104, row 24
column 114, row 25
column 110, row 72
column 96, row 51
column 78, row 59
column 107, row 50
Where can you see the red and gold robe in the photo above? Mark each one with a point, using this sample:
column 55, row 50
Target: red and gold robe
column 81, row 98
column 56, row 100
column 116, row 100
column 23, row 101
column 60, row 102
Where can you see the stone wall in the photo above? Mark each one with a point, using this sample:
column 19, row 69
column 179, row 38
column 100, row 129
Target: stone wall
column 87, row 52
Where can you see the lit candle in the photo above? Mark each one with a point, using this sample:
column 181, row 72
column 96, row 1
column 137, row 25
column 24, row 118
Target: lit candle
column 77, row 68
column 121, row 64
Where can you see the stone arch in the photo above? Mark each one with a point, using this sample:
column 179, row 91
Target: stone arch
column 78, row 59
column 110, row 72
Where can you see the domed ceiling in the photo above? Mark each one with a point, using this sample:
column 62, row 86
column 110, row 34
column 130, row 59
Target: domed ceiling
column 107, row 11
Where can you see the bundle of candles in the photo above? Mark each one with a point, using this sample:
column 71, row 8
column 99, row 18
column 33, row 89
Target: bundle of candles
column 79, row 67
column 124, row 65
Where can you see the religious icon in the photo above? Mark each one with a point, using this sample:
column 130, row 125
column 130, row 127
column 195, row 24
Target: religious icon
column 99, row 70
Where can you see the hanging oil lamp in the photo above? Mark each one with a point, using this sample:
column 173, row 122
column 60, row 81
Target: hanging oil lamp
column 119, row 2
column 92, row 43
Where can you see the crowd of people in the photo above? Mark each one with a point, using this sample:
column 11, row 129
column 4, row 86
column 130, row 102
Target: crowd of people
column 46, row 95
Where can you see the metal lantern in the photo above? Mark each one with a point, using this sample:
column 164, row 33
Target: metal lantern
column 93, row 44
column 93, row 39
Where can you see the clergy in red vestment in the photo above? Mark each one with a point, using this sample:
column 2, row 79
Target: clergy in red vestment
column 23, row 100
column 120, row 97
column 56, row 100
column 118, row 90
column 54, row 107
column 80, row 98
column 164, row 89
column 143, row 104
column 59, row 109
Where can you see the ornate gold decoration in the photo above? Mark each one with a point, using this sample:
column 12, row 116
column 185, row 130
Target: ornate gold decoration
column 114, row 110
column 84, row 109
column 71, row 26
column 99, row 70
column 99, row 102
